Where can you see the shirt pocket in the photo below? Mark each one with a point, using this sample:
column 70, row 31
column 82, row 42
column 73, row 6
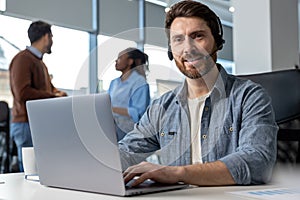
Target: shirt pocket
column 167, row 136
column 227, row 141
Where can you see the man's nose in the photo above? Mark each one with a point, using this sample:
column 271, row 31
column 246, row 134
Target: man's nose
column 188, row 45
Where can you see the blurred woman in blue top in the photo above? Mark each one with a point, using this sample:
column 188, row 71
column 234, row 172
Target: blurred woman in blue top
column 129, row 93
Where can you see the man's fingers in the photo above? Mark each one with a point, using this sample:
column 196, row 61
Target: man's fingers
column 131, row 172
column 139, row 180
column 129, row 176
column 142, row 169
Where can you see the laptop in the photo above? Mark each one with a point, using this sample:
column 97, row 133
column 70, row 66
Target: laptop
column 76, row 147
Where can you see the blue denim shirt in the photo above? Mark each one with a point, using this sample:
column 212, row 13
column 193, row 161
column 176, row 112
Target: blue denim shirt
column 237, row 127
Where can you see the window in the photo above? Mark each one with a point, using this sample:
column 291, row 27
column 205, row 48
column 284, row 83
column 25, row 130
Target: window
column 227, row 64
column 108, row 50
column 69, row 53
column 69, row 56
column 161, row 69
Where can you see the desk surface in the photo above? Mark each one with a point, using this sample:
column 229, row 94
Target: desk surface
column 15, row 187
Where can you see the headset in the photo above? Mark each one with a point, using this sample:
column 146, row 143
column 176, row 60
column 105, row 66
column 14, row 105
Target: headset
column 218, row 38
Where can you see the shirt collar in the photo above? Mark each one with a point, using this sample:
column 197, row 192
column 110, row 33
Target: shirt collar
column 35, row 51
column 219, row 88
column 218, row 91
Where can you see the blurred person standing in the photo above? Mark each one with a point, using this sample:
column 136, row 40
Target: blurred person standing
column 129, row 93
column 29, row 79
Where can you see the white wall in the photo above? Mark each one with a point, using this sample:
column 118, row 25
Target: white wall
column 265, row 35
column 285, row 35
column 251, row 33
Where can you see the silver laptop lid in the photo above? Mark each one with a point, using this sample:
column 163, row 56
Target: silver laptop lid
column 75, row 143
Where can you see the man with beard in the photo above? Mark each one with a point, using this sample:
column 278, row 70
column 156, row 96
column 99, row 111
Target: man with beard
column 29, row 79
column 215, row 129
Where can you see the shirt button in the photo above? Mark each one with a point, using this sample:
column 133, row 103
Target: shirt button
column 230, row 128
column 206, row 108
column 204, row 136
column 162, row 134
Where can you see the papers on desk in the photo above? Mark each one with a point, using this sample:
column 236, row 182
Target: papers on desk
column 272, row 194
column 32, row 177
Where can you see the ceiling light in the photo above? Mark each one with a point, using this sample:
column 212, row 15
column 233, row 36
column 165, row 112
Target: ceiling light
column 157, row 2
column 231, row 9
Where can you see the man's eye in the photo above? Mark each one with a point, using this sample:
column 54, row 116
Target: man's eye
column 198, row 36
column 177, row 39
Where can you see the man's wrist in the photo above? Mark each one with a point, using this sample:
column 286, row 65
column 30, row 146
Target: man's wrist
column 181, row 173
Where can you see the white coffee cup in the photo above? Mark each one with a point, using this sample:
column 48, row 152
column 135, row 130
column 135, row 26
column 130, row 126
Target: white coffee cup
column 29, row 164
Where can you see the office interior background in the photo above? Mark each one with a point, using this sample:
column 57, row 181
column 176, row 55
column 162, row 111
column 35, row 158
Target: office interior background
column 261, row 36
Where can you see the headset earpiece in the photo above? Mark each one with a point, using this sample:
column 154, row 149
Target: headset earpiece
column 170, row 54
column 219, row 40
column 220, row 43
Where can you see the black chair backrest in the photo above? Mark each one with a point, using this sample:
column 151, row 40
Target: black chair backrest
column 4, row 113
column 284, row 88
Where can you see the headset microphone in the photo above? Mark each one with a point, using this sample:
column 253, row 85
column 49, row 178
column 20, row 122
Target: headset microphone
column 209, row 55
column 170, row 54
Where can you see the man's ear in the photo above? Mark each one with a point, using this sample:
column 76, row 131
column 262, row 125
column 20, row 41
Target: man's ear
column 45, row 37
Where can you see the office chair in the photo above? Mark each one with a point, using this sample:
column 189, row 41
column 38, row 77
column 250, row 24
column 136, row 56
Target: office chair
column 4, row 130
column 284, row 89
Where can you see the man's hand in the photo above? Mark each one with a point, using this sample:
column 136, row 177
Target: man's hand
column 158, row 173
column 120, row 111
column 60, row 94
column 214, row 173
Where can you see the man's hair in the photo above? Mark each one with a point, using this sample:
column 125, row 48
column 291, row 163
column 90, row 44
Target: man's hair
column 189, row 8
column 37, row 30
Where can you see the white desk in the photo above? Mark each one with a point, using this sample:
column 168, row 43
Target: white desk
column 15, row 187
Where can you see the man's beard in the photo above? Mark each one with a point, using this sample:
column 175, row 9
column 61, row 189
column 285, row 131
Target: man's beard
column 49, row 51
column 195, row 73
